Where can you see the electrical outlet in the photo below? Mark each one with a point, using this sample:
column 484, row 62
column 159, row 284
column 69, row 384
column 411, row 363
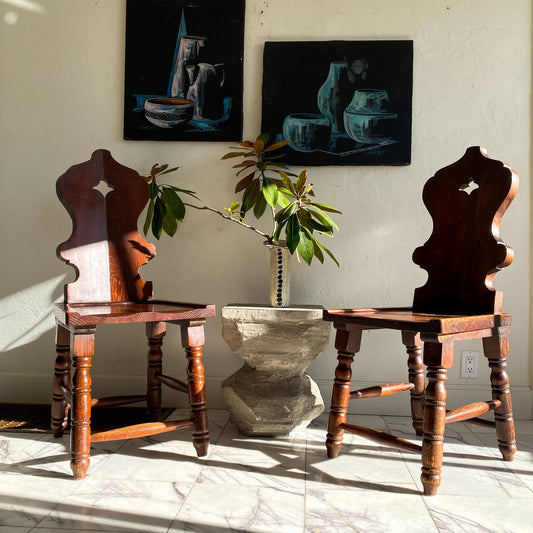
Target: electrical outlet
column 469, row 361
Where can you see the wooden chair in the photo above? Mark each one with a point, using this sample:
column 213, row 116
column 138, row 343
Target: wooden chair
column 106, row 251
column 458, row 302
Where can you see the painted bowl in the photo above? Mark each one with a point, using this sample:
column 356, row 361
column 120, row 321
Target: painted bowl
column 307, row 131
column 369, row 118
column 168, row 112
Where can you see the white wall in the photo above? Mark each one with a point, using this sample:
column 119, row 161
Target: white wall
column 61, row 97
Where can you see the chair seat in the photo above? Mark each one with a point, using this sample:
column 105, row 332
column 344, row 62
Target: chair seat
column 406, row 319
column 129, row 312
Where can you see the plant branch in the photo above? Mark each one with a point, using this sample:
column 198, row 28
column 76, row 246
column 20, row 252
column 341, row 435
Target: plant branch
column 229, row 217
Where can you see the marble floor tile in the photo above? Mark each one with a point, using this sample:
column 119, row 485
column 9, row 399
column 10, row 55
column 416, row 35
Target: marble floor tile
column 479, row 513
column 241, row 509
column 25, row 499
column 38, row 529
column 158, row 457
column 257, row 485
column 280, row 473
column 361, row 464
column 355, row 509
column 117, row 505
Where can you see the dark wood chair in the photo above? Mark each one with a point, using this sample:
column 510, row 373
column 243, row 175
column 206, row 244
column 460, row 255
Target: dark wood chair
column 466, row 201
column 106, row 251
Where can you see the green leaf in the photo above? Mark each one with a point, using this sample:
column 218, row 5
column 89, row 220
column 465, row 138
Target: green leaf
column 244, row 182
column 233, row 207
column 154, row 189
column 286, row 191
column 283, row 201
column 264, row 137
column 325, row 207
column 288, row 183
column 230, row 155
column 313, row 225
column 280, row 165
column 149, row 215
column 305, row 247
column 173, row 204
column 157, row 220
column 292, row 233
column 324, row 219
column 317, row 251
column 184, row 191
column 270, row 192
column 328, row 252
column 260, row 206
column 170, row 224
column 300, row 182
column 286, row 212
column 244, row 170
column 244, row 164
column 274, row 157
column 249, row 197
column 277, row 230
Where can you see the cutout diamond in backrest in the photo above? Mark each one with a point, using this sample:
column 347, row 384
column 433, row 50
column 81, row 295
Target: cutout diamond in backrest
column 103, row 188
column 469, row 187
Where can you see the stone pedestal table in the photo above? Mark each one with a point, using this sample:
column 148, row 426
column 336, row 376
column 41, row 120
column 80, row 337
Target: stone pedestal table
column 271, row 395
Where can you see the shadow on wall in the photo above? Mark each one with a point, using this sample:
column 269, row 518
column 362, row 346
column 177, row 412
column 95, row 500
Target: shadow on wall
column 27, row 314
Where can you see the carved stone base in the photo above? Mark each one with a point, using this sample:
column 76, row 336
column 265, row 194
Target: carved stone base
column 270, row 395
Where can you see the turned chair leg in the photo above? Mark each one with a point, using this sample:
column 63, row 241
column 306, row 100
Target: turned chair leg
column 496, row 350
column 155, row 331
column 80, row 435
column 437, row 358
column 60, row 406
column 347, row 343
column 192, row 339
column 415, row 364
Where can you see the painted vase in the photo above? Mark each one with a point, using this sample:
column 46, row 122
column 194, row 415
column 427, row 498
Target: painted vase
column 188, row 54
column 280, row 280
column 205, row 90
column 335, row 94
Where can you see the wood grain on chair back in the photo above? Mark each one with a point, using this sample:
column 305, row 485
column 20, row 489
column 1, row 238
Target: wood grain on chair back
column 105, row 248
column 466, row 201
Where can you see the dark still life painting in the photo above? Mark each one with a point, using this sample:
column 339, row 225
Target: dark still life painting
column 340, row 102
column 183, row 72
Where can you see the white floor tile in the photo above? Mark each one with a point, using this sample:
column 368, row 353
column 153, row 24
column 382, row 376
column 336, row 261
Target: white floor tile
column 118, row 505
column 257, row 485
column 356, row 509
column 250, row 509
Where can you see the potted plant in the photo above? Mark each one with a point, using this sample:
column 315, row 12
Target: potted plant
column 267, row 189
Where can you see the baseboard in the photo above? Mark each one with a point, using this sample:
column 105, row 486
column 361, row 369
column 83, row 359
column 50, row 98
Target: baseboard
column 36, row 388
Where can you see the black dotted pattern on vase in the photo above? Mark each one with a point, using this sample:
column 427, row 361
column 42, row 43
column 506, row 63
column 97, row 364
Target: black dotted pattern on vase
column 280, row 278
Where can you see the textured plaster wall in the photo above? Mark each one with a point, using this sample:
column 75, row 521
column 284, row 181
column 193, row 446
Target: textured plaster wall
column 61, row 94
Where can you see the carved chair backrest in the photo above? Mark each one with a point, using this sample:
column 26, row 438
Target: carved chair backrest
column 105, row 248
column 466, row 201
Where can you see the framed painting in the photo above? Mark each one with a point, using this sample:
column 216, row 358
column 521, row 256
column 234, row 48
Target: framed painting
column 340, row 102
column 184, row 70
